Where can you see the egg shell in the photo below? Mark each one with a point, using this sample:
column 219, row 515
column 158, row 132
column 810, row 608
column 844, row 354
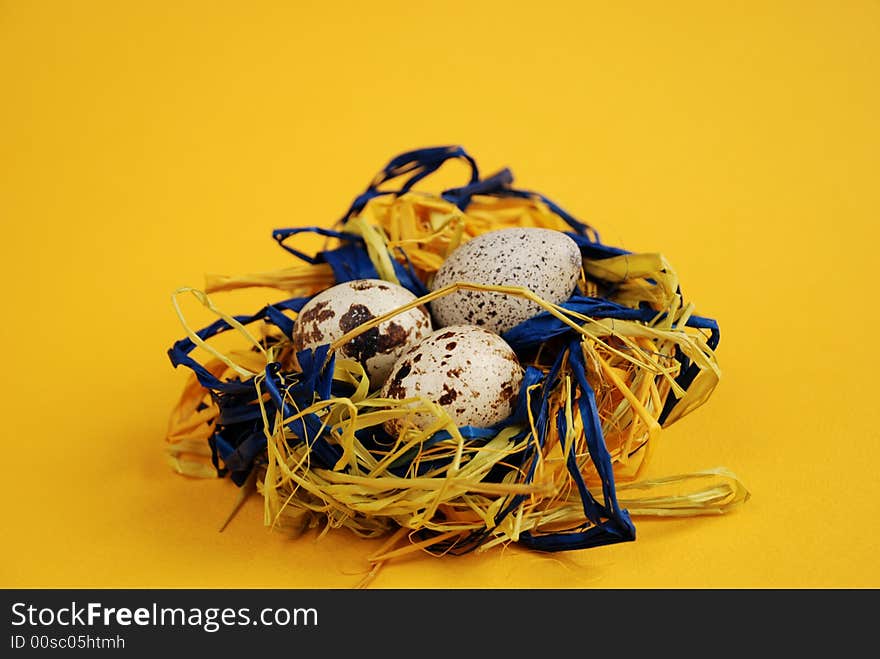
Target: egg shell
column 341, row 308
column 545, row 261
column 473, row 374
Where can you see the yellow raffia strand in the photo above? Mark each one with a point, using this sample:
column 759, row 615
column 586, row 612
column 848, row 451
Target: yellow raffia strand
column 299, row 281
column 630, row 366
column 202, row 297
column 676, row 496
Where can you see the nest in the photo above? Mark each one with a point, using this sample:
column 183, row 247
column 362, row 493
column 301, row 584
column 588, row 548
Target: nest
column 605, row 372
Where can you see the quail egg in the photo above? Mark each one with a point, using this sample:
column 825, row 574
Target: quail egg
column 473, row 374
column 545, row 261
column 341, row 308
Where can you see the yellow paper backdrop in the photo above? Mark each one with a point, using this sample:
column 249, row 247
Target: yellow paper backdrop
column 144, row 144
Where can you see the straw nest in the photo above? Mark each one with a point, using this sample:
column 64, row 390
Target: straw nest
column 303, row 430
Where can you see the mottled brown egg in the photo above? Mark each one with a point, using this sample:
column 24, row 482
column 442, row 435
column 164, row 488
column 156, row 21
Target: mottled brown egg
column 473, row 374
column 336, row 311
column 545, row 261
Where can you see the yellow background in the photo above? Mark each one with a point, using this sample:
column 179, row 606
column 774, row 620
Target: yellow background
column 144, row 144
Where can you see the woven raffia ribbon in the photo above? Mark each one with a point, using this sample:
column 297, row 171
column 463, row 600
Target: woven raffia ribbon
column 605, row 371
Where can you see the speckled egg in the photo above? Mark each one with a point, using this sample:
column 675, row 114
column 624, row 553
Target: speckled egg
column 339, row 309
column 545, row 261
column 470, row 372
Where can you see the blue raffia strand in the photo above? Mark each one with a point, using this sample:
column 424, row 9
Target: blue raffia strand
column 239, row 438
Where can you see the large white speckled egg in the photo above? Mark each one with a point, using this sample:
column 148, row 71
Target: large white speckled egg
column 341, row 308
column 545, row 261
column 473, row 374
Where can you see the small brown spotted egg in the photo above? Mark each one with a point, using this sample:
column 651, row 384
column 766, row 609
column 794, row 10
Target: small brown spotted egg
column 545, row 261
column 341, row 308
column 473, row 374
